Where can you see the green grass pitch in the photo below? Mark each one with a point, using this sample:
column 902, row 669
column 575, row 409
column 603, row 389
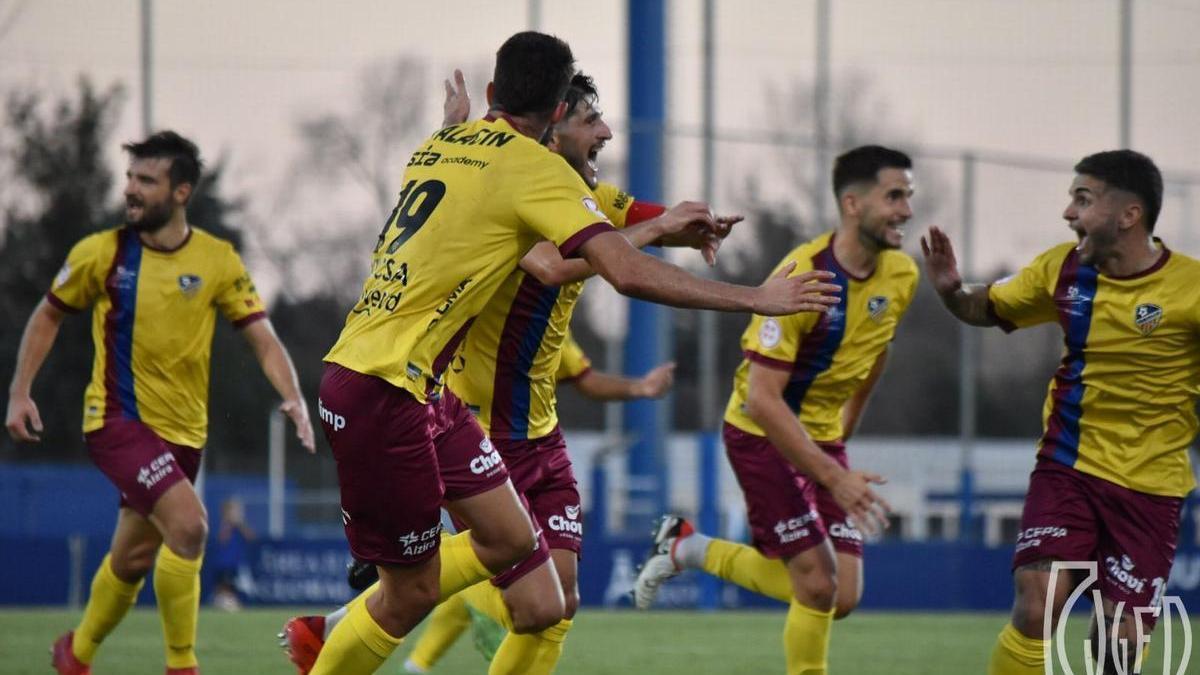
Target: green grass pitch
column 658, row 643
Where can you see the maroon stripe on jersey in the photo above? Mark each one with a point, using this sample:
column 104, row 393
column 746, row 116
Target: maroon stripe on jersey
column 58, row 302
column 768, row 361
column 572, row 244
column 249, row 319
column 642, row 211
column 447, row 353
column 520, row 340
column 120, row 398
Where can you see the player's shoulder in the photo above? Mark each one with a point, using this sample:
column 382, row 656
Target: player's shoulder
column 1055, row 255
column 207, row 241
column 101, row 243
column 804, row 253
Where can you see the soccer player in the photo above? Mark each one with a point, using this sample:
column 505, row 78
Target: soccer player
column 154, row 286
column 1112, row 463
column 798, row 396
column 451, row 618
column 475, row 198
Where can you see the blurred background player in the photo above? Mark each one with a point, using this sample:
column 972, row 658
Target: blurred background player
column 448, row 621
column 154, row 285
column 1112, row 466
column 458, row 231
column 798, row 396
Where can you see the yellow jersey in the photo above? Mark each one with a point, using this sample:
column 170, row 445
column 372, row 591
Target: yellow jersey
column 476, row 197
column 153, row 314
column 507, row 371
column 1121, row 405
column 573, row 362
column 828, row 355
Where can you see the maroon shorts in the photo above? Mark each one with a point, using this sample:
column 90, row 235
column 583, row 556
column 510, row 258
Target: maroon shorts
column 788, row 512
column 542, row 475
column 1130, row 536
column 140, row 463
column 391, row 491
column 467, row 461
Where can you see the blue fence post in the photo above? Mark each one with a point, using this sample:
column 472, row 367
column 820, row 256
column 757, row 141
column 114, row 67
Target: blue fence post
column 646, row 421
column 709, row 517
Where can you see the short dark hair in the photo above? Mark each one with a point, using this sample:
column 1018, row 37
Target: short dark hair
column 533, row 71
column 1129, row 171
column 184, row 155
column 581, row 89
column 863, row 164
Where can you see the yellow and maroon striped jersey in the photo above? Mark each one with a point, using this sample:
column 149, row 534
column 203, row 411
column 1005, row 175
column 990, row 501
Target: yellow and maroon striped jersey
column 829, row 355
column 511, row 353
column 1121, row 405
column 152, row 324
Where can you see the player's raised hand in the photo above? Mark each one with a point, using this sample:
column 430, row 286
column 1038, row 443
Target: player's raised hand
column 805, row 292
column 23, row 421
column 457, row 107
column 657, row 382
column 297, row 410
column 852, row 491
column 680, row 221
column 940, row 264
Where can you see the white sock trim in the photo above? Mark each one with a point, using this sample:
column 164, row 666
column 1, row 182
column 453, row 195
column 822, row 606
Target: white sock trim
column 690, row 550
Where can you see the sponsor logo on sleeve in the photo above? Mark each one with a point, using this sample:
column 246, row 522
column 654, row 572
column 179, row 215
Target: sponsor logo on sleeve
column 594, row 207
column 770, row 333
column 63, row 276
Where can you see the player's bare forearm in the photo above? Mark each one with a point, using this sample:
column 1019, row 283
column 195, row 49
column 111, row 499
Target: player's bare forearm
column 548, row 266
column 638, row 275
column 601, row 386
column 40, row 332
column 969, row 304
column 852, row 413
column 790, row 437
column 281, row 373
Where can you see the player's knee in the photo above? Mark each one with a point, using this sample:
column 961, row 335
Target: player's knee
column 818, row 591
column 535, row 617
column 519, row 547
column 186, row 537
column 416, row 598
column 1029, row 613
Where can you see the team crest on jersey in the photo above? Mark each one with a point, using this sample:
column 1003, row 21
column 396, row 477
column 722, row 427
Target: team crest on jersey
column 189, row 284
column 877, row 306
column 1147, row 317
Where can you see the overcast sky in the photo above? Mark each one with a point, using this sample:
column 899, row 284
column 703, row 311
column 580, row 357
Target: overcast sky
column 1023, row 77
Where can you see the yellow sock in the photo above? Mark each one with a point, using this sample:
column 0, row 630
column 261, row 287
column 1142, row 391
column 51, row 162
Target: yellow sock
column 177, row 588
column 447, row 621
column 488, row 599
column 533, row 654
column 1016, row 654
column 806, row 640
column 746, row 567
column 357, row 645
column 107, row 604
column 460, row 566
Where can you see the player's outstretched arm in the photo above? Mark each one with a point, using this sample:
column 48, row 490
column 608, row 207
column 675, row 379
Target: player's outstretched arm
column 850, row 489
column 636, row 274
column 967, row 302
column 548, row 266
column 277, row 366
column 23, row 421
column 601, row 386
